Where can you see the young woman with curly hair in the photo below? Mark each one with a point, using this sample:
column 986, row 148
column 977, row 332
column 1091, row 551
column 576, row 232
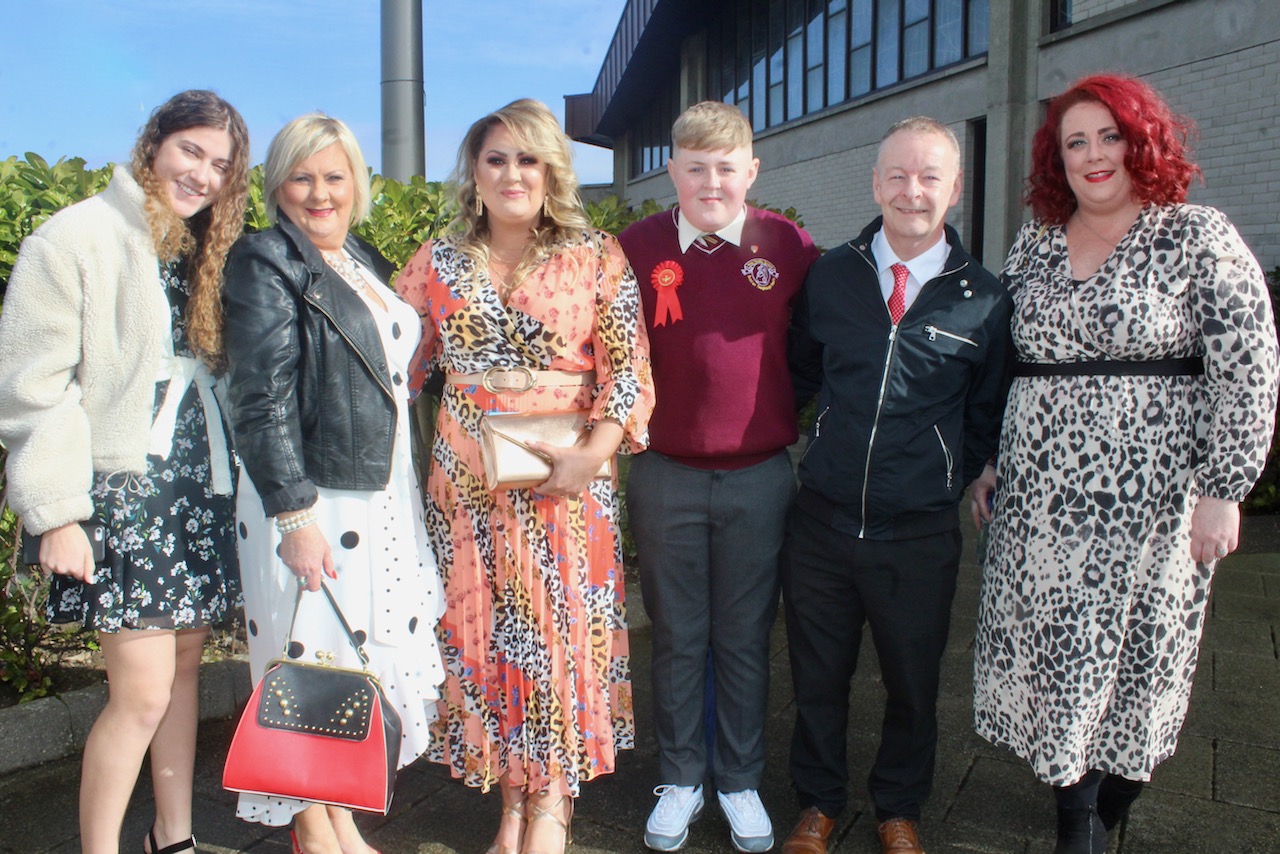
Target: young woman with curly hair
column 109, row 344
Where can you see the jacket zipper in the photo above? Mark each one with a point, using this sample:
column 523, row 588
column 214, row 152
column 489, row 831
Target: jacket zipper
column 817, row 431
column 875, row 423
column 946, row 454
column 875, row 426
column 884, row 384
column 933, row 332
column 353, row 347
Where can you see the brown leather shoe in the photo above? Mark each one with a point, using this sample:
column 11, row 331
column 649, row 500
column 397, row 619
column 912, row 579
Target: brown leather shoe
column 898, row 836
column 810, row 835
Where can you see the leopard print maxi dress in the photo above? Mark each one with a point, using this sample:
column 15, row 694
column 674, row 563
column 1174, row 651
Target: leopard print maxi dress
column 534, row 637
column 1092, row 607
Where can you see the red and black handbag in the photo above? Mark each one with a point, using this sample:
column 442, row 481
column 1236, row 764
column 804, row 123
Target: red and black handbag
column 317, row 733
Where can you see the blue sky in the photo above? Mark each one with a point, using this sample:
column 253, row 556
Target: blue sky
column 80, row 77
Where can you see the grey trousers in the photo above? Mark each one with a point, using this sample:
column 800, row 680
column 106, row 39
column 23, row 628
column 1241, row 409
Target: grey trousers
column 708, row 543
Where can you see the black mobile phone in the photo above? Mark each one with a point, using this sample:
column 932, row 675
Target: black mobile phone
column 94, row 529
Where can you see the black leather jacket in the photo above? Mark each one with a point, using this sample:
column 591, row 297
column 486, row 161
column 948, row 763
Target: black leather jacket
column 908, row 416
column 310, row 392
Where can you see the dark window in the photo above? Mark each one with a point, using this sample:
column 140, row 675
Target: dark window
column 651, row 139
column 977, row 36
column 759, row 64
column 975, row 185
column 948, row 31
column 1059, row 15
column 777, row 63
column 888, row 28
column 860, row 49
column 779, row 60
column 795, row 59
column 815, row 45
column 915, row 46
column 837, row 41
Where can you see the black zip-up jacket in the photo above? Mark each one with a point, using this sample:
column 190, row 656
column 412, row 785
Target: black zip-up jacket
column 908, row 416
column 310, row 392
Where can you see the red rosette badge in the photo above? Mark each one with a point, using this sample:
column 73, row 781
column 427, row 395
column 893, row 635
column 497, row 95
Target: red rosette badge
column 666, row 279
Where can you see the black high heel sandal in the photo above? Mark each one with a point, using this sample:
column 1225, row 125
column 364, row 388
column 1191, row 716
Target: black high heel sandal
column 188, row 844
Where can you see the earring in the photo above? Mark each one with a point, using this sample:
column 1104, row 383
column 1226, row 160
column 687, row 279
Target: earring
column 544, row 206
column 479, row 204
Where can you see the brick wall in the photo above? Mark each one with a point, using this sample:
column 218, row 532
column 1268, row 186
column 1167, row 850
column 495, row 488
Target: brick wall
column 833, row 192
column 1233, row 100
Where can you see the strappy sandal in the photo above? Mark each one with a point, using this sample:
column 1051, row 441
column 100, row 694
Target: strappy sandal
column 515, row 810
column 188, row 844
column 551, row 813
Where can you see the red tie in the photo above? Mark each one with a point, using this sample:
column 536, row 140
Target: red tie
column 898, row 299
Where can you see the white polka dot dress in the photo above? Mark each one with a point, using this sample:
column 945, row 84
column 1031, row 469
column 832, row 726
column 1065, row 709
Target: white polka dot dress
column 388, row 586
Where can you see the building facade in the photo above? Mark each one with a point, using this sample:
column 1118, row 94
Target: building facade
column 820, row 81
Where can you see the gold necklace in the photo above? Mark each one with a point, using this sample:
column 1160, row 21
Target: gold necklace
column 502, row 282
column 505, row 282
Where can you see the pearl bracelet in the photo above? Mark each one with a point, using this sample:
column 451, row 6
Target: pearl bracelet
column 296, row 522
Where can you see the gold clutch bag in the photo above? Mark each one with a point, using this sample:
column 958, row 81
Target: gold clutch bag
column 509, row 462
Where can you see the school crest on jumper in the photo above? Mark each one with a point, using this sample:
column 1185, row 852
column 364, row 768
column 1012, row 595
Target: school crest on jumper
column 761, row 273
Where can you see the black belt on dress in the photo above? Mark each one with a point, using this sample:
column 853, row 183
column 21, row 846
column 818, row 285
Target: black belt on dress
column 1190, row 366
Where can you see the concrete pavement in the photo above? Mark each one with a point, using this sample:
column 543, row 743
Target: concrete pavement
column 1220, row 793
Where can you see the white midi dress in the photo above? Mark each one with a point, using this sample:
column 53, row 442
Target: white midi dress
column 388, row 585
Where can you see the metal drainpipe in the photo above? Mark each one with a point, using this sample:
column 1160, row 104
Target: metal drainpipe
column 403, row 145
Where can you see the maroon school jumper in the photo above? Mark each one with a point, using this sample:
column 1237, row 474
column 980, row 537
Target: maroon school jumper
column 724, row 397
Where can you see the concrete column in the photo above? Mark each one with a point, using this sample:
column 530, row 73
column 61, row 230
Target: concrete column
column 1013, row 114
column 621, row 147
column 403, row 142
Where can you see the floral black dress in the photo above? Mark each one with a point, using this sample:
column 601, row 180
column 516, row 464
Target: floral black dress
column 170, row 538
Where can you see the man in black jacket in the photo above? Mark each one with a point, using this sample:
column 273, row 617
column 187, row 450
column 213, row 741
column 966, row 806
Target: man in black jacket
column 905, row 339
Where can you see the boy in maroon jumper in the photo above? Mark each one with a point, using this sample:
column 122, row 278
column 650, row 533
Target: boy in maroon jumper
column 708, row 502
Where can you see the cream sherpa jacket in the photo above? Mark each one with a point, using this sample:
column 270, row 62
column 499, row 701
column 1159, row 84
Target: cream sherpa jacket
column 82, row 335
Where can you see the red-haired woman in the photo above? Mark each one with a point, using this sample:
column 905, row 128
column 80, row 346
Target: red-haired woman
column 1141, row 415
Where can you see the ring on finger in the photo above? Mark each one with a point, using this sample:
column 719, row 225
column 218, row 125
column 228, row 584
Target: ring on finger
column 1221, row 551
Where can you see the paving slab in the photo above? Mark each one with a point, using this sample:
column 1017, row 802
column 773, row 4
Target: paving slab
column 1217, row 793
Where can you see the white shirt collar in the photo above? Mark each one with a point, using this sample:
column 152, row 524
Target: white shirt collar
column 923, row 267
column 731, row 233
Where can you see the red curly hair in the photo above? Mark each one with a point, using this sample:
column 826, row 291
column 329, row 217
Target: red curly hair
column 1157, row 159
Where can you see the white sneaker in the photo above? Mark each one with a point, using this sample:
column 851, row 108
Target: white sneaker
column 749, row 825
column 668, row 825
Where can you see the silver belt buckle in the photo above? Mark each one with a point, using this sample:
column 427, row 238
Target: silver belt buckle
column 490, row 374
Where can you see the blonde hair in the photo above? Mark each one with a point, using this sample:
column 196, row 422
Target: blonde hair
column 711, row 126
column 919, row 125
column 535, row 130
column 303, row 137
column 205, row 238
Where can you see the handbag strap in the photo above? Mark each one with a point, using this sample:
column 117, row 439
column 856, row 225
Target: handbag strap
column 346, row 627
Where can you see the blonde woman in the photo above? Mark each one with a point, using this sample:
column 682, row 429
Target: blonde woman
column 538, row 696
column 319, row 350
column 109, row 341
